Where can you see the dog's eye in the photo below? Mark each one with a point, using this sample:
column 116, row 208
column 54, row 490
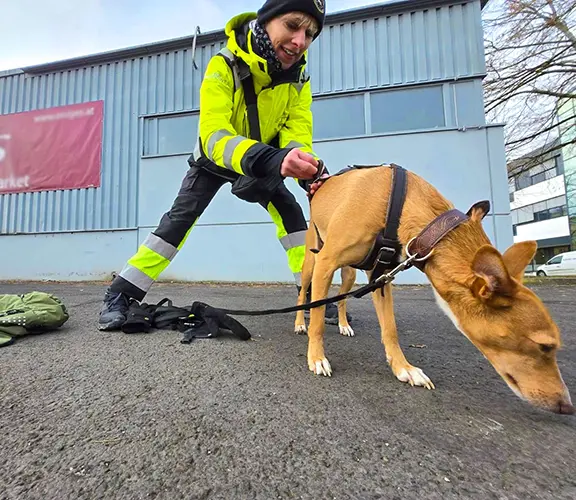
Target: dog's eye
column 546, row 348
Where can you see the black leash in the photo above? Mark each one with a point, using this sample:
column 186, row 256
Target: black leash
column 379, row 282
column 388, row 242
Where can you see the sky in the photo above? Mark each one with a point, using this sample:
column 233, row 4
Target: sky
column 39, row 31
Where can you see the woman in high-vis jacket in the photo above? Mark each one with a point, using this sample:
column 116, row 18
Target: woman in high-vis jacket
column 255, row 156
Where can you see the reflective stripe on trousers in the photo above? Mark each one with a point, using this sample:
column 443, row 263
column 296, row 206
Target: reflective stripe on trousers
column 153, row 256
column 293, row 243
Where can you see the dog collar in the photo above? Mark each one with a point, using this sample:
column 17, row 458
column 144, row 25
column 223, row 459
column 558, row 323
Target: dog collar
column 422, row 245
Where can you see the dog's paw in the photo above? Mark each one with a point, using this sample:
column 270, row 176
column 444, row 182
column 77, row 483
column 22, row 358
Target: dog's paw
column 320, row 367
column 346, row 330
column 415, row 377
column 300, row 329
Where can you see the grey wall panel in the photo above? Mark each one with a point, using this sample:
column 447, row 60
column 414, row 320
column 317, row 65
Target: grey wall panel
column 407, row 48
column 67, row 256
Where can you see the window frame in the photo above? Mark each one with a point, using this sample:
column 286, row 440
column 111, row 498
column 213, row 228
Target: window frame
column 548, row 213
column 434, row 86
column 343, row 95
column 151, row 125
column 449, row 114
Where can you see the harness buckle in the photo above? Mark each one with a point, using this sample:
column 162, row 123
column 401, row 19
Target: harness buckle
column 390, row 254
column 320, row 172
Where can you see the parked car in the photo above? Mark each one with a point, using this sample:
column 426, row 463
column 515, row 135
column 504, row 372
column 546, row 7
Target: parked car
column 563, row 264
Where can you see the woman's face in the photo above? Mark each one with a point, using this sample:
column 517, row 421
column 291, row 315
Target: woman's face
column 291, row 35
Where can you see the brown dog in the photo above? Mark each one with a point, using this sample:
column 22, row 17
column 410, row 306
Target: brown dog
column 479, row 289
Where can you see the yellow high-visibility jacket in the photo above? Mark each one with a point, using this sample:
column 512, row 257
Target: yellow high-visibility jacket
column 283, row 109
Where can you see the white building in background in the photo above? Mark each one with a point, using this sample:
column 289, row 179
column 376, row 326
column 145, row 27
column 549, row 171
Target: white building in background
column 538, row 202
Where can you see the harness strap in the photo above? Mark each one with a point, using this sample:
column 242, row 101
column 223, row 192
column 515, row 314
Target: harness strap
column 250, row 98
column 387, row 249
column 241, row 72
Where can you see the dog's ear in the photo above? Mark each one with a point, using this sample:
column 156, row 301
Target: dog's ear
column 492, row 280
column 479, row 210
column 518, row 256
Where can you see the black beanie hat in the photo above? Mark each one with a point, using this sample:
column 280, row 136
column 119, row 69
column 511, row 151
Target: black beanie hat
column 274, row 8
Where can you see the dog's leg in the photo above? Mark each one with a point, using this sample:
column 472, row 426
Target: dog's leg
column 321, row 281
column 348, row 279
column 307, row 270
column 403, row 370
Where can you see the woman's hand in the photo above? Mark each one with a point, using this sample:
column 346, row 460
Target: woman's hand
column 315, row 186
column 299, row 164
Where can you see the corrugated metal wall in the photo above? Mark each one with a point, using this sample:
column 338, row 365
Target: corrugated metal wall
column 155, row 84
column 412, row 47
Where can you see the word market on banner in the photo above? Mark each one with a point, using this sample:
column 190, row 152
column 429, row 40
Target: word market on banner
column 51, row 149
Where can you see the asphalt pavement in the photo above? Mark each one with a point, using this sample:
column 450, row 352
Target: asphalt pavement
column 87, row 414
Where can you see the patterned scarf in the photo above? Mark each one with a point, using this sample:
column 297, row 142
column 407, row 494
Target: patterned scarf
column 264, row 47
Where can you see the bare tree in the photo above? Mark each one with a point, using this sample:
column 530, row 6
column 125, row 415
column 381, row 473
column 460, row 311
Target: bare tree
column 531, row 62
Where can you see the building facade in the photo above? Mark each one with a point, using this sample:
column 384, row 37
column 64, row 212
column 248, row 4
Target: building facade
column 399, row 82
column 538, row 202
column 542, row 188
column 567, row 129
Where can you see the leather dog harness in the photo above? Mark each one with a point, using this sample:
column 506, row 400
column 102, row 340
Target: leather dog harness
column 386, row 251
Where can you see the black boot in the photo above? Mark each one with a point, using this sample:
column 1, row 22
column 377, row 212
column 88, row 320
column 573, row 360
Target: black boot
column 331, row 312
column 113, row 311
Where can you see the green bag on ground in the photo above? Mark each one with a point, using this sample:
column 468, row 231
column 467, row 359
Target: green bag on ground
column 32, row 312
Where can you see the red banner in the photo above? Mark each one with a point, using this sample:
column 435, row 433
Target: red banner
column 49, row 149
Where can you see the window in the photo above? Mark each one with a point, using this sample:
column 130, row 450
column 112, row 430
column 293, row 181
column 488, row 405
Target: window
column 514, row 214
column 469, row 104
column 550, row 174
column 540, row 173
column 539, row 207
column 525, row 214
column 544, row 255
column 550, row 213
column 559, row 165
column 539, row 216
column 545, row 175
column 407, row 109
column 511, row 197
column 556, row 202
column 523, row 180
column 558, row 211
column 543, row 210
column 339, row 116
column 555, row 260
column 541, row 177
column 169, row 135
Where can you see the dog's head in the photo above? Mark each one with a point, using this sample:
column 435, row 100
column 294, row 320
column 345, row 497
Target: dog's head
column 508, row 323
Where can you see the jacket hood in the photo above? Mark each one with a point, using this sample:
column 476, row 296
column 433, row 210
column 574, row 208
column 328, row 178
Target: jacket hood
column 240, row 44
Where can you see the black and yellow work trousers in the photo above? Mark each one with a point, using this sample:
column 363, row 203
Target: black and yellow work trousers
column 196, row 192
